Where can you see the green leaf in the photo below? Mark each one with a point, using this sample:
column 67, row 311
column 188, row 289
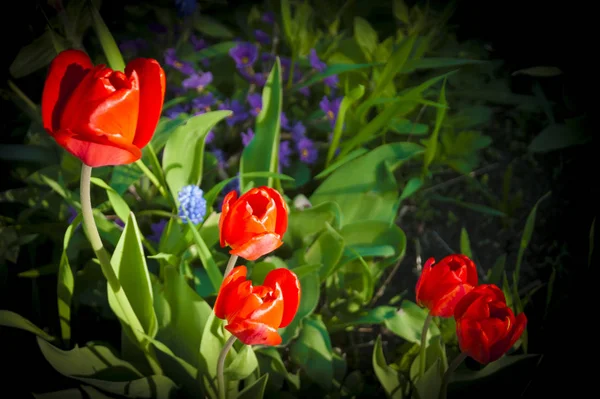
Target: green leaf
column 288, row 24
column 212, row 27
column 465, row 244
column 435, row 356
column 387, row 376
column 135, row 307
column 309, row 299
column 335, row 69
column 405, row 126
column 408, row 322
column 365, row 36
column 431, row 149
column 242, row 365
column 183, row 156
column 412, row 186
column 216, row 50
column 429, row 385
column 312, row 351
column 526, row 237
column 304, row 224
column 364, row 188
column 261, row 154
column 352, row 155
column 15, row 320
column 213, row 340
column 215, row 275
column 98, row 366
column 347, row 101
column 558, row 136
column 506, row 364
column 474, row 207
column 495, row 274
column 256, row 390
column 109, row 46
column 65, row 284
column 34, row 56
column 394, row 65
column 326, row 250
column 439, row 62
column 188, row 315
column 123, row 176
column 116, row 201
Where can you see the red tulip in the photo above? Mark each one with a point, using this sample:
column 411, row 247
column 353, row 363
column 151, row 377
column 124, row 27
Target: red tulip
column 486, row 328
column 254, row 314
column 443, row 284
column 253, row 224
column 101, row 116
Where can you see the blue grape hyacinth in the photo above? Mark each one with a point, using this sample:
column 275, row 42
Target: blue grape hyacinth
column 192, row 204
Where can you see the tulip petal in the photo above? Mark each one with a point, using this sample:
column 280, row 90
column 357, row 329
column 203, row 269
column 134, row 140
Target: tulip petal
column 282, row 215
column 472, row 340
column 229, row 285
column 152, row 94
column 229, row 199
column 66, row 72
column 445, row 305
column 254, row 333
column 241, row 225
column 99, row 152
column 423, row 277
column 258, row 246
column 516, row 330
column 475, row 303
column 290, row 288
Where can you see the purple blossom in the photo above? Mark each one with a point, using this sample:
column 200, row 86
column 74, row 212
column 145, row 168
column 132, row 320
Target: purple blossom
column 210, row 136
column 221, row 157
column 133, row 45
column 247, row 137
column 298, row 131
column 157, row 28
column 203, row 103
column 268, row 17
column 182, row 66
column 306, row 149
column 239, row 113
column 119, row 223
column 244, row 54
column 315, row 62
column 267, row 57
column 72, row 214
column 255, row 101
column 259, row 79
column 331, row 81
column 175, row 111
column 198, row 43
column 198, row 82
column 285, row 152
column 285, row 123
column 331, row 108
column 262, row 37
column 305, row 91
column 157, row 230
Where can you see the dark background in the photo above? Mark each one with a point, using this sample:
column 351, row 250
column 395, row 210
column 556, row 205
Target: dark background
column 523, row 34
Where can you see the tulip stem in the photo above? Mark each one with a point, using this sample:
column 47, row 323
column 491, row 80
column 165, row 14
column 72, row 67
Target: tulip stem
column 230, row 265
column 453, row 366
column 91, row 231
column 423, row 349
column 221, row 366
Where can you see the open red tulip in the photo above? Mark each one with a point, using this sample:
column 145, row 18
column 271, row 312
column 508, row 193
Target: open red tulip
column 101, row 116
column 485, row 326
column 441, row 285
column 253, row 224
column 254, row 314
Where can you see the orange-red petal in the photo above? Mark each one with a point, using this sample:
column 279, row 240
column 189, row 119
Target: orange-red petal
column 258, row 246
column 270, row 310
column 254, row 333
column 229, row 199
column 229, row 285
column 152, row 94
column 290, row 288
column 282, row 215
column 66, row 72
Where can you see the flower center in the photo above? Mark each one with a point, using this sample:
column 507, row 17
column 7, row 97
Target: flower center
column 245, row 60
column 257, row 109
column 304, row 153
column 178, row 64
column 330, row 114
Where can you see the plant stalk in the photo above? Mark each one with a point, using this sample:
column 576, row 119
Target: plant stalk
column 230, row 265
column 423, row 349
column 221, row 367
column 453, row 366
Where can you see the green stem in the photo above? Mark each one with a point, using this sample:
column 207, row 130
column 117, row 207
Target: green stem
column 221, row 367
column 91, row 230
column 230, row 265
column 152, row 177
column 423, row 349
column 453, row 366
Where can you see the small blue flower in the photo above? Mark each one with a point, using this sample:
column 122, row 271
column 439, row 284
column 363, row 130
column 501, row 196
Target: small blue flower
column 285, row 123
column 247, row 137
column 285, row 152
column 221, row 157
column 306, row 149
column 298, row 131
column 255, row 101
column 331, row 108
column 198, row 81
column 157, row 230
column 262, row 37
column 331, row 81
column 203, row 103
column 244, row 54
column 182, row 66
column 174, row 111
column 239, row 112
column 210, row 136
column 315, row 62
column 268, row 17
column 192, row 204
